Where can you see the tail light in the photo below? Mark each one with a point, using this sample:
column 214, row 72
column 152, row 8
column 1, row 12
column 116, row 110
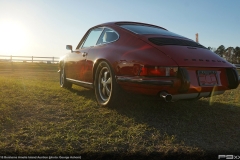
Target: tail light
column 158, row 71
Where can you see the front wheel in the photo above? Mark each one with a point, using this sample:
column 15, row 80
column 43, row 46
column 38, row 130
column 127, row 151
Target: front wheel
column 63, row 82
column 106, row 87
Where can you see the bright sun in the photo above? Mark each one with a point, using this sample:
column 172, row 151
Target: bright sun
column 13, row 38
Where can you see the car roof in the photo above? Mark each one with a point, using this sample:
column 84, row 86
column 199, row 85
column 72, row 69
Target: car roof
column 128, row 22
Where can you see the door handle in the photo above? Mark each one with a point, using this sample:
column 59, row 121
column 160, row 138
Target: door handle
column 84, row 54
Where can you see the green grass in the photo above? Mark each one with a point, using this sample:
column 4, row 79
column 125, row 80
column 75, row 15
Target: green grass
column 38, row 117
column 27, row 66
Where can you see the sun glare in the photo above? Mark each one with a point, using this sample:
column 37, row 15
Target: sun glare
column 13, row 38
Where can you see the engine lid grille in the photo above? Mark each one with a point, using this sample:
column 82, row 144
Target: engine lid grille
column 171, row 41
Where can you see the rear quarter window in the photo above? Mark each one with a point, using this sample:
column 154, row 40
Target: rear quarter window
column 108, row 36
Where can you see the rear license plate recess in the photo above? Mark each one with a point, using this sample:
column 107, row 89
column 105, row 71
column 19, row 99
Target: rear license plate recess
column 207, row 78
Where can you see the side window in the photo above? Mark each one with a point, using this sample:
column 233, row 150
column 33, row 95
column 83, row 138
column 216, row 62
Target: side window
column 107, row 36
column 92, row 38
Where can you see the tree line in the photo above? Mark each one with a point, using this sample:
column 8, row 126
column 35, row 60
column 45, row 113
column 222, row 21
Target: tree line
column 231, row 54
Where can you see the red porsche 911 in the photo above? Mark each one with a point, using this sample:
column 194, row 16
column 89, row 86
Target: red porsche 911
column 144, row 59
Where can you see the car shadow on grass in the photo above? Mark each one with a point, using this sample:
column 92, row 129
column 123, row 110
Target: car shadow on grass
column 84, row 92
column 213, row 128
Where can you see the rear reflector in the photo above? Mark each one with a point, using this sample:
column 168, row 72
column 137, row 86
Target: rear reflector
column 159, row 71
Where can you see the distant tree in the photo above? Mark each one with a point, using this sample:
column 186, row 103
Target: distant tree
column 237, row 54
column 220, row 50
column 212, row 49
column 229, row 55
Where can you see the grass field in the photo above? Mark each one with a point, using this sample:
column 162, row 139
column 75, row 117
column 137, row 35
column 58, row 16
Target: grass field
column 38, row 117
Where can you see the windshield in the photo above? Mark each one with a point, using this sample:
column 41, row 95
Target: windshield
column 144, row 29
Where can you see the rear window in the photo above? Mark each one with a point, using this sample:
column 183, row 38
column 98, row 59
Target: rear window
column 144, row 29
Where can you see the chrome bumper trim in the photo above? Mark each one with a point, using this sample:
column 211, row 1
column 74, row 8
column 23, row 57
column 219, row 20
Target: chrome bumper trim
column 144, row 81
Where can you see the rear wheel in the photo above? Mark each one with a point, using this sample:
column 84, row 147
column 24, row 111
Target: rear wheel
column 106, row 87
column 63, row 82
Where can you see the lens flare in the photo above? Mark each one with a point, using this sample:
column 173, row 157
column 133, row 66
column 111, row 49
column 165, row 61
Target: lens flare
column 212, row 98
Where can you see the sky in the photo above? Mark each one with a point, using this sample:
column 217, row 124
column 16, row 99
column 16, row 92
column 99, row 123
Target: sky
column 45, row 27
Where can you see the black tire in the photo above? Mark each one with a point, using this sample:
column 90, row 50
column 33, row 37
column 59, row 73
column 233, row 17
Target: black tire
column 106, row 87
column 63, row 82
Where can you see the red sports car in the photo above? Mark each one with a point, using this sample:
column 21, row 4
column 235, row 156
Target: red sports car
column 145, row 59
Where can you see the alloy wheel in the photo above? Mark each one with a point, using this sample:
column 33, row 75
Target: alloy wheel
column 105, row 84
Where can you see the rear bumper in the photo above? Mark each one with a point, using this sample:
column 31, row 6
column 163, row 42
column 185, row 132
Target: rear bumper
column 185, row 86
column 155, row 86
column 232, row 77
column 149, row 85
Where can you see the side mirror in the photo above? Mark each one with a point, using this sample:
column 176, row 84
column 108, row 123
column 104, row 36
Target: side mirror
column 69, row 47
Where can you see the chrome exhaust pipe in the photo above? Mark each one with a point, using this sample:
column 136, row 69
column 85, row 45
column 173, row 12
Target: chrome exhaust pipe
column 165, row 96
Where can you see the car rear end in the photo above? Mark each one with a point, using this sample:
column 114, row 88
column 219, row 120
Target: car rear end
column 199, row 72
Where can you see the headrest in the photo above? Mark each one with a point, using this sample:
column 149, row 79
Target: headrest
column 110, row 36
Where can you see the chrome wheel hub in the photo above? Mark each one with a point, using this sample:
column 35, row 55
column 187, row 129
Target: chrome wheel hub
column 105, row 84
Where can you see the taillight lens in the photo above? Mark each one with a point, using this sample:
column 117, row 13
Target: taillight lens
column 159, row 71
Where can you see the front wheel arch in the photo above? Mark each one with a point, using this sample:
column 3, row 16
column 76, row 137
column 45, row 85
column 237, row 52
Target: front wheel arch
column 63, row 82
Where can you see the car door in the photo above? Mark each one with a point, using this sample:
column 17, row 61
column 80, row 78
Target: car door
column 69, row 63
column 87, row 44
column 108, row 35
column 75, row 65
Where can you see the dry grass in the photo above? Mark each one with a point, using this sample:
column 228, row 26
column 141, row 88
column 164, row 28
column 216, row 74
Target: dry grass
column 37, row 117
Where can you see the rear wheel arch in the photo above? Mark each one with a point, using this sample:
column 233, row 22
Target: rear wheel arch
column 96, row 65
column 107, row 91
